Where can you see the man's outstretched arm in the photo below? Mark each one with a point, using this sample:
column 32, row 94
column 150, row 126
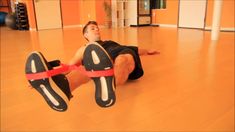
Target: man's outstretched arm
column 147, row 51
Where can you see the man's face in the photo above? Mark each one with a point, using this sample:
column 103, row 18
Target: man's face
column 92, row 33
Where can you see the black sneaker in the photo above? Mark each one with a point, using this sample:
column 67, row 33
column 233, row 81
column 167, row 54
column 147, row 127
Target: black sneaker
column 95, row 58
column 55, row 90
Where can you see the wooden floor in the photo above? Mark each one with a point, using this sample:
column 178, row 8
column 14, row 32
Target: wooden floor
column 189, row 87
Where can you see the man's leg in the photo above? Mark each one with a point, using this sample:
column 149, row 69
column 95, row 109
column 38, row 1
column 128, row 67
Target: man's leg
column 96, row 60
column 76, row 79
column 54, row 89
column 124, row 64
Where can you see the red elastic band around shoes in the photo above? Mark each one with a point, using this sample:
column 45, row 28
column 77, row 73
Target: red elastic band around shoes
column 66, row 68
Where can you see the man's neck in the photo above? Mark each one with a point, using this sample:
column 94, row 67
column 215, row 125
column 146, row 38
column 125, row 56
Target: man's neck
column 100, row 42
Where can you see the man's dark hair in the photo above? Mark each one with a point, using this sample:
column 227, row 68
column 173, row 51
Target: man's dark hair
column 85, row 27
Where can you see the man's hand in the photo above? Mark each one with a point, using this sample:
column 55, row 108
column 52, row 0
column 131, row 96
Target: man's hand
column 148, row 52
column 152, row 52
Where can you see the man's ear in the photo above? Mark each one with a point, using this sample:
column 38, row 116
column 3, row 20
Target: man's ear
column 85, row 35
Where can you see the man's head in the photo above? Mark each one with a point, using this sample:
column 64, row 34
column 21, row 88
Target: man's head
column 91, row 31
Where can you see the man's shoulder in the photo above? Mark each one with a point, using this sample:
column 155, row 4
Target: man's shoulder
column 109, row 41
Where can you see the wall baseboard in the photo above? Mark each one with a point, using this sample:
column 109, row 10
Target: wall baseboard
column 32, row 29
column 165, row 25
column 222, row 29
column 73, row 26
column 81, row 25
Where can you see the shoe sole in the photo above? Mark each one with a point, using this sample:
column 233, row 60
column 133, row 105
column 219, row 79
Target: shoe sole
column 52, row 94
column 95, row 58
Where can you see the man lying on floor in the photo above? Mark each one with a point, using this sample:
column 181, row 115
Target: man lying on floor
column 107, row 63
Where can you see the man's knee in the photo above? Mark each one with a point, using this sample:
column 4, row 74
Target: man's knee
column 121, row 58
column 124, row 64
column 125, row 59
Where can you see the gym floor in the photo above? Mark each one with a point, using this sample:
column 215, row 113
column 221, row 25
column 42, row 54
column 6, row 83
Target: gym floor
column 188, row 87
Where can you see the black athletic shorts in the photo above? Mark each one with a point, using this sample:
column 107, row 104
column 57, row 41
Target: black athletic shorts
column 114, row 49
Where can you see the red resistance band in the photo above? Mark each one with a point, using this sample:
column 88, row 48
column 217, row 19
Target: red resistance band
column 66, row 68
